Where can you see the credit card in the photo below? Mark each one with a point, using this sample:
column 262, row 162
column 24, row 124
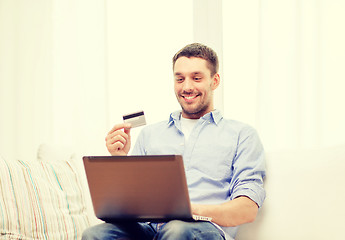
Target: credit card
column 135, row 119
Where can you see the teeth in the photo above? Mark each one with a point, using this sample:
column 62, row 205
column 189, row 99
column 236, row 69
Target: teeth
column 190, row 97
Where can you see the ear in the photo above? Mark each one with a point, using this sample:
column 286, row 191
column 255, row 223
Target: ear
column 215, row 81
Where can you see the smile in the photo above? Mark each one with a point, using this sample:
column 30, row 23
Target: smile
column 190, row 97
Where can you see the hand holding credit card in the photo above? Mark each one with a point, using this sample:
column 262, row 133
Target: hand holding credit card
column 118, row 139
column 136, row 119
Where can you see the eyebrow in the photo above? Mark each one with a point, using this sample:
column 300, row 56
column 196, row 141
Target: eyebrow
column 193, row 73
column 197, row 73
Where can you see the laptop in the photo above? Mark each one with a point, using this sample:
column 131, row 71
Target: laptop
column 138, row 188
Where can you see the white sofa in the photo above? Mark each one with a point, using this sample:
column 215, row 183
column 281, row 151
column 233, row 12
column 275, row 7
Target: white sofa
column 49, row 199
column 305, row 197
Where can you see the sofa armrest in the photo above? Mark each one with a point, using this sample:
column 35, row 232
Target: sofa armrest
column 305, row 192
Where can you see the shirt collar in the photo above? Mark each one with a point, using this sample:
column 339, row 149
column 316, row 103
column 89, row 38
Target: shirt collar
column 215, row 116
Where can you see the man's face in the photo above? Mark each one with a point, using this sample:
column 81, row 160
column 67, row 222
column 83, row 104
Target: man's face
column 194, row 86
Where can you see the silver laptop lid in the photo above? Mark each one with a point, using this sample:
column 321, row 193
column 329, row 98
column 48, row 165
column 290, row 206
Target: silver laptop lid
column 138, row 188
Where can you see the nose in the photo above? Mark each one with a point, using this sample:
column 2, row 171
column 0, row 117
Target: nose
column 187, row 85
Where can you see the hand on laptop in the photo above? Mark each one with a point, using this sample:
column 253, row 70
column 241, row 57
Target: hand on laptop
column 118, row 140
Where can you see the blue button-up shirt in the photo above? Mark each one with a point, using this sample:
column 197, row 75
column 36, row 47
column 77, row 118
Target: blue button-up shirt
column 223, row 158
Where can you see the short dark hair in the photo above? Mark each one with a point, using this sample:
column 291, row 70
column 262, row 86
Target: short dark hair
column 200, row 51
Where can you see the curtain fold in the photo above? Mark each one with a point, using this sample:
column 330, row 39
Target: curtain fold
column 25, row 70
column 52, row 76
column 295, row 58
column 70, row 69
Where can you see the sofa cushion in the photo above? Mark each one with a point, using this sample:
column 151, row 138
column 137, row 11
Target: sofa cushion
column 41, row 200
column 305, row 195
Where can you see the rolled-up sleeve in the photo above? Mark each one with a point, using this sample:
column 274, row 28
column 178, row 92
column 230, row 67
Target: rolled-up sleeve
column 249, row 168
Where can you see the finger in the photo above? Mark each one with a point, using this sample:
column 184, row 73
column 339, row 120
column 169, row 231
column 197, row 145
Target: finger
column 118, row 146
column 116, row 133
column 120, row 126
column 128, row 131
column 117, row 138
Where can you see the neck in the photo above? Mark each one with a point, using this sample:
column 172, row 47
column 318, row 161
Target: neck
column 195, row 115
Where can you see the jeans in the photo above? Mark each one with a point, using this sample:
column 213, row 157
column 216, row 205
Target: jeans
column 173, row 230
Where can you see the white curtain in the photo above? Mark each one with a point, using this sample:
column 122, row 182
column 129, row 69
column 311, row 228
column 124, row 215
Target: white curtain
column 79, row 82
column 52, row 75
column 142, row 37
column 25, row 70
column 69, row 69
column 284, row 70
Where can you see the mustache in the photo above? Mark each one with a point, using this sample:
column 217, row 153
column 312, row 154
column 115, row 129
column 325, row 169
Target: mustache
column 188, row 93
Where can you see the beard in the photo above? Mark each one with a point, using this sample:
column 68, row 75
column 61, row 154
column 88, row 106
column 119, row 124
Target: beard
column 196, row 110
column 199, row 110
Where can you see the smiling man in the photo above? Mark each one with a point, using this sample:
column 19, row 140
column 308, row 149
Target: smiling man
column 194, row 85
column 224, row 159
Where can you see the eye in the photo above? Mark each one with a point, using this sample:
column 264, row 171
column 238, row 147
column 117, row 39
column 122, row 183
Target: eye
column 197, row 78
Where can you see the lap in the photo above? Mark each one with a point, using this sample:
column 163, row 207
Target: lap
column 106, row 231
column 171, row 230
column 190, row 230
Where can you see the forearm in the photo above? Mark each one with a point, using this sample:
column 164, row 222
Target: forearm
column 233, row 213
